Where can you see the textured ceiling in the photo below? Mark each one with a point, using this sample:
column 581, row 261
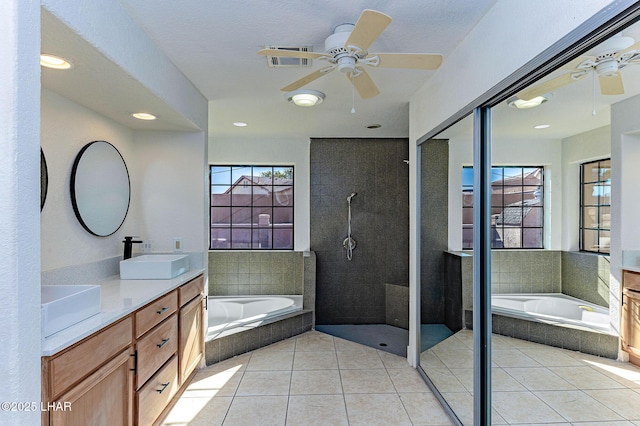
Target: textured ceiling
column 215, row 43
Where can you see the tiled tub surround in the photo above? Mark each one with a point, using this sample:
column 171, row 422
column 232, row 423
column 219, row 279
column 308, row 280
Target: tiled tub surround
column 233, row 273
column 581, row 275
column 261, row 273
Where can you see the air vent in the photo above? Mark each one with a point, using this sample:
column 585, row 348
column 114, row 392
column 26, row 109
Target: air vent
column 280, row 62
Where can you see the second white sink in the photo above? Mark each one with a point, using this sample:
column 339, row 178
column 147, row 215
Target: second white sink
column 62, row 306
column 154, row 267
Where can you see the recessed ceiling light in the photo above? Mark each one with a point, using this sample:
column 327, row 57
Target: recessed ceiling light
column 374, row 126
column 143, row 116
column 542, row 126
column 305, row 98
column 240, row 124
column 54, row 62
column 518, row 103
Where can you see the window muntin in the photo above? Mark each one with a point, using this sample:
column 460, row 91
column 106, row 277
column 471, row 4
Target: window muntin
column 251, row 207
column 595, row 206
column 517, row 207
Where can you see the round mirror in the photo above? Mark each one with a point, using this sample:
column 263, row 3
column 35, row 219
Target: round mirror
column 100, row 189
column 44, row 179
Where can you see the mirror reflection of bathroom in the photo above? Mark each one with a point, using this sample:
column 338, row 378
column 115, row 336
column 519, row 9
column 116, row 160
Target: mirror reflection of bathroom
column 552, row 212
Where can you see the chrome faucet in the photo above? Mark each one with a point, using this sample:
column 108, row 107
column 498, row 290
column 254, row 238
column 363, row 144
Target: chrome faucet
column 128, row 246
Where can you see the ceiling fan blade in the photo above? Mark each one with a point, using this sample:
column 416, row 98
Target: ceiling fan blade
column 307, row 79
column 364, row 85
column 409, row 60
column 369, row 26
column 611, row 85
column 548, row 86
column 284, row 53
column 634, row 46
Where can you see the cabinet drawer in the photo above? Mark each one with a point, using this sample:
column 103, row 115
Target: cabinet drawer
column 155, row 312
column 75, row 363
column 191, row 290
column 156, row 347
column 157, row 392
column 631, row 280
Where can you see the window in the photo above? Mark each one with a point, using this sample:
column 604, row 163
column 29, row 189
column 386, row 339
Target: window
column 595, row 206
column 251, row 207
column 517, row 207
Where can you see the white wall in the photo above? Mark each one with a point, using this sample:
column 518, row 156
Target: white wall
column 20, row 208
column 268, row 151
column 588, row 146
column 65, row 128
column 170, row 187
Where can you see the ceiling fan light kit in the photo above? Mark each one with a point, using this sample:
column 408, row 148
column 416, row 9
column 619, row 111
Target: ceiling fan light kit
column 305, row 98
column 346, row 50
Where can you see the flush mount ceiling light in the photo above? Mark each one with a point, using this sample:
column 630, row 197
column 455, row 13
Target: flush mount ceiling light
column 305, row 98
column 143, row 116
column 54, row 62
column 240, row 124
column 542, row 126
column 518, row 103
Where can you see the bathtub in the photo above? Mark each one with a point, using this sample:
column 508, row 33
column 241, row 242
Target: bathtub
column 553, row 308
column 227, row 313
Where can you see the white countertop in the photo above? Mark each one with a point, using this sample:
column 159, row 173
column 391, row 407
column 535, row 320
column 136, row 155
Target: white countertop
column 119, row 298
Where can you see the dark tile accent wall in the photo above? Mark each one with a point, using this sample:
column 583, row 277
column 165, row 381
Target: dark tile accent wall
column 222, row 348
column 434, row 218
column 586, row 276
column 453, row 315
column 397, row 305
column 353, row 292
column 246, row 273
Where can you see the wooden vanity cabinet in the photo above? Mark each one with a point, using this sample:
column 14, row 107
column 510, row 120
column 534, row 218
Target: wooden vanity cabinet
column 95, row 376
column 191, row 348
column 630, row 327
column 129, row 372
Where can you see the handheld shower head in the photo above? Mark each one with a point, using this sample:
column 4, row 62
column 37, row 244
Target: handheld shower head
column 353, row 194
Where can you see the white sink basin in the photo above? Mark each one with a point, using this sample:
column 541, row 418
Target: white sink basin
column 154, row 267
column 65, row 305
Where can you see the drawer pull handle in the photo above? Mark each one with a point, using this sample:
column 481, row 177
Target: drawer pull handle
column 164, row 386
column 164, row 342
column 162, row 311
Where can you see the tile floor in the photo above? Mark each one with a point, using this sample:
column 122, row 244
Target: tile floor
column 537, row 384
column 310, row 379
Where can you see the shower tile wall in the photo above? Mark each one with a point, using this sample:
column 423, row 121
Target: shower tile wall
column 353, row 292
column 255, row 273
column 434, row 218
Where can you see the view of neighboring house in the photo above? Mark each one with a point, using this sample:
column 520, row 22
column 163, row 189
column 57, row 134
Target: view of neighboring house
column 253, row 212
column 516, row 208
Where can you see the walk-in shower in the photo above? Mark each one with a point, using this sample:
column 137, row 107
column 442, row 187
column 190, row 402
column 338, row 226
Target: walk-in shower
column 349, row 243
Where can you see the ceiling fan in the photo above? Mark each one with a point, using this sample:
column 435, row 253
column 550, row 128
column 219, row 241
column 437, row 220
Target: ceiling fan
column 346, row 50
column 607, row 61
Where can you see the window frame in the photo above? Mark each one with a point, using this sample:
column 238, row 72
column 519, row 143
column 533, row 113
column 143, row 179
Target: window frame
column 599, row 206
column 244, row 208
column 468, row 188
